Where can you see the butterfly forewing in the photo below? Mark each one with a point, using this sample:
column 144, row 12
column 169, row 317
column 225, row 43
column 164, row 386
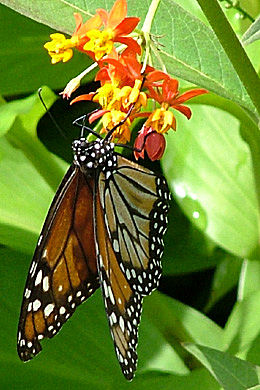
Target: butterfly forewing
column 63, row 271
column 135, row 203
column 123, row 305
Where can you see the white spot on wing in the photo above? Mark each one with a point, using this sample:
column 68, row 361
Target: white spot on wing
column 36, row 304
column 48, row 309
column 45, row 283
column 38, row 278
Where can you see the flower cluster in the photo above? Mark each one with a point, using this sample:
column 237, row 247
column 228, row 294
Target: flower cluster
column 127, row 86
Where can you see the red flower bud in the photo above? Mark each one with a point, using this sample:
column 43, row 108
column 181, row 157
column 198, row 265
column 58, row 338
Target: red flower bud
column 150, row 141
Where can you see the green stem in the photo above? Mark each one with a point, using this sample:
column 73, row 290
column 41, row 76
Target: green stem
column 150, row 16
column 233, row 49
column 147, row 28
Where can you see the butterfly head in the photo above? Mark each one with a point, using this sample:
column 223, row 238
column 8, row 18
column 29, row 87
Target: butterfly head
column 93, row 155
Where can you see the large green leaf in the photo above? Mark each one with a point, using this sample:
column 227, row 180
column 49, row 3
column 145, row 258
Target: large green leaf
column 230, row 372
column 187, row 249
column 28, row 172
column 208, row 166
column 181, row 323
column 190, row 49
column 24, row 63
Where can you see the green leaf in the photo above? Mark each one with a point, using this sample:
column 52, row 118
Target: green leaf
column 190, row 49
column 226, row 277
column 28, row 173
column 198, row 379
column 187, row 249
column 253, row 33
column 181, row 323
column 24, row 63
column 230, row 372
column 243, row 325
column 249, row 278
column 210, row 172
column 21, row 118
column 25, row 199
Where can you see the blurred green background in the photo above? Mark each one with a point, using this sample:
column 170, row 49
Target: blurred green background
column 201, row 329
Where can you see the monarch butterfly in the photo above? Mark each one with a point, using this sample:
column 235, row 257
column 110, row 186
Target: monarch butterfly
column 104, row 228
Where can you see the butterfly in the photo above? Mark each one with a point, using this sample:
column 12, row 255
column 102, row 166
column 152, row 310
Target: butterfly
column 104, row 228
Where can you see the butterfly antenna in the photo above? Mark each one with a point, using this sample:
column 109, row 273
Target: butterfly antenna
column 50, row 115
column 84, row 127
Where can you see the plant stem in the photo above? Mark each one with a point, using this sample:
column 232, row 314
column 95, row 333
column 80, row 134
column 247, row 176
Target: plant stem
column 233, row 49
column 150, row 15
column 146, row 30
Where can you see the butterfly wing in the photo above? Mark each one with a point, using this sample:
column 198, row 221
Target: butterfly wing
column 135, row 203
column 63, row 271
column 123, row 305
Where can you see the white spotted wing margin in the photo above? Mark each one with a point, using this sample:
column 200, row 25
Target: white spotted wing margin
column 135, row 203
column 63, row 271
column 123, row 305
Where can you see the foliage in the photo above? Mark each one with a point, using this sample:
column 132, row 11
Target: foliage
column 212, row 165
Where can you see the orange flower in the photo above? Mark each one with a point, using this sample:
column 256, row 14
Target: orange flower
column 169, row 96
column 117, row 26
column 60, row 48
column 125, row 69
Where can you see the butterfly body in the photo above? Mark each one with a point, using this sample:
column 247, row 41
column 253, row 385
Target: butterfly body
column 104, row 228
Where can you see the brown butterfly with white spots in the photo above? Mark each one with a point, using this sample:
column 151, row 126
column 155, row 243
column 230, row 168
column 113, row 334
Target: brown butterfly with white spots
column 104, row 228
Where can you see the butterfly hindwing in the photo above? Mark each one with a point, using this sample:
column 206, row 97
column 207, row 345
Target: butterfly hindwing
column 135, row 203
column 63, row 271
column 123, row 305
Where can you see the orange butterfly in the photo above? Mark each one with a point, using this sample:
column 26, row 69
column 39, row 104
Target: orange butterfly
column 104, row 228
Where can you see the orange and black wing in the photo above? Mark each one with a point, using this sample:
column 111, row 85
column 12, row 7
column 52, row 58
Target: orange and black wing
column 123, row 305
column 63, row 272
column 135, row 203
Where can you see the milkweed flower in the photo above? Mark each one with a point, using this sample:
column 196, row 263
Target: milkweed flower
column 112, row 118
column 170, row 97
column 151, row 142
column 60, row 47
column 116, row 28
column 162, row 119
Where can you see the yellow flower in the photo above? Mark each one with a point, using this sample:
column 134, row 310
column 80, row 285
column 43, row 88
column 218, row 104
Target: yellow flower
column 108, row 96
column 161, row 120
column 60, row 48
column 122, row 133
column 133, row 96
column 100, row 42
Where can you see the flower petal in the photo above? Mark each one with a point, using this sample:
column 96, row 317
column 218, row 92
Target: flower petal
column 126, row 26
column 131, row 43
column 190, row 94
column 93, row 23
column 117, row 13
column 88, row 96
column 184, row 110
column 103, row 15
column 96, row 115
column 79, row 21
column 157, row 75
column 170, row 89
